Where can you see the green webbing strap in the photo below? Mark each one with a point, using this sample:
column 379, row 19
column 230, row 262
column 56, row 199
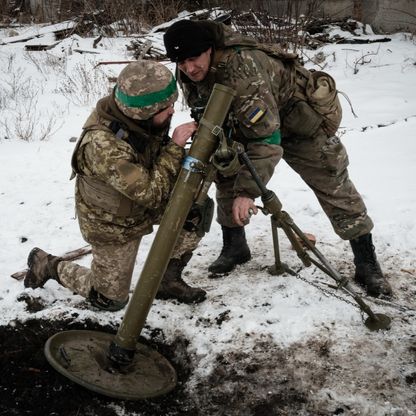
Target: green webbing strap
column 275, row 138
column 145, row 100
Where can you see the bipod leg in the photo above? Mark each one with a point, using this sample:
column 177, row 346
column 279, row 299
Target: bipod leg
column 274, row 207
column 285, row 223
column 278, row 267
column 374, row 321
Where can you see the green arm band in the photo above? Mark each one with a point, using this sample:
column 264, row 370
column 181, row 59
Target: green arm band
column 275, row 138
column 138, row 101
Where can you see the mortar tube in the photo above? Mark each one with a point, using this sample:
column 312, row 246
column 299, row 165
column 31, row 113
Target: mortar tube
column 188, row 183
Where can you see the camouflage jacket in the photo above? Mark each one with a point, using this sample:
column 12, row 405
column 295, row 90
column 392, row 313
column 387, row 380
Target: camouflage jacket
column 120, row 192
column 264, row 84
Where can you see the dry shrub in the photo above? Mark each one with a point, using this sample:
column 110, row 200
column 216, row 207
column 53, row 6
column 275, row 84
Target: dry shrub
column 272, row 21
column 84, row 85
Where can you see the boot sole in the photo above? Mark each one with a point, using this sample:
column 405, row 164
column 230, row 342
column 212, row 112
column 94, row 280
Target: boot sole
column 374, row 294
column 198, row 299
column 238, row 263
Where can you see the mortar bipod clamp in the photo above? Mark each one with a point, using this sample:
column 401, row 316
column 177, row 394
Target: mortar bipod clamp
column 226, row 157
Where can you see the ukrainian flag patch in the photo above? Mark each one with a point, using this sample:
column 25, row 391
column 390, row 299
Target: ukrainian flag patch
column 256, row 115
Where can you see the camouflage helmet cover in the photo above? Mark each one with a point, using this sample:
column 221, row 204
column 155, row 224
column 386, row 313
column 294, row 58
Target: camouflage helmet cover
column 144, row 88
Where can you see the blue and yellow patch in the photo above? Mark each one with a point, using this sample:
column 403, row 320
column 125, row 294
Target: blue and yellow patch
column 256, row 115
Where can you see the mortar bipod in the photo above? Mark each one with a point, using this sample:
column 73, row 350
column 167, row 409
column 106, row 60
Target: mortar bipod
column 281, row 219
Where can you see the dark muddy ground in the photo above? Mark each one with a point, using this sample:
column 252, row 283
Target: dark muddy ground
column 311, row 378
column 30, row 386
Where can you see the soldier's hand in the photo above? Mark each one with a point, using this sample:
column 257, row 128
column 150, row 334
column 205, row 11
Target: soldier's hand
column 243, row 208
column 183, row 132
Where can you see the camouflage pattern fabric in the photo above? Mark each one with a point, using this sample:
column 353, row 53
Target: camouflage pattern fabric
column 120, row 194
column 144, row 88
column 146, row 179
column 187, row 242
column 322, row 163
column 263, row 106
column 112, row 267
column 110, row 274
column 263, row 86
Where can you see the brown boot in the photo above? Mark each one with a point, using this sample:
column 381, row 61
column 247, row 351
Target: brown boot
column 173, row 287
column 42, row 267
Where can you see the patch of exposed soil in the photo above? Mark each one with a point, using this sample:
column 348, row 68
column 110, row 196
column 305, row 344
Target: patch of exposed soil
column 241, row 383
column 321, row 376
column 30, row 386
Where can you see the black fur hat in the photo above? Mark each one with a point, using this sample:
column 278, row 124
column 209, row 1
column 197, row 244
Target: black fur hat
column 187, row 39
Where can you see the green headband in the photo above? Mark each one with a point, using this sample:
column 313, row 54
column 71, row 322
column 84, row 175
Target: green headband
column 145, row 100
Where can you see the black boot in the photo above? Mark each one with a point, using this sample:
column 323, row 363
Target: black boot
column 102, row 302
column 234, row 251
column 367, row 270
column 172, row 285
column 42, row 267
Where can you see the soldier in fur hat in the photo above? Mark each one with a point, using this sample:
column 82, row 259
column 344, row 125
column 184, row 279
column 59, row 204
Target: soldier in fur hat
column 280, row 110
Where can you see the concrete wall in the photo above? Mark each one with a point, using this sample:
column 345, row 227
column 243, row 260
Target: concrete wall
column 382, row 15
column 390, row 16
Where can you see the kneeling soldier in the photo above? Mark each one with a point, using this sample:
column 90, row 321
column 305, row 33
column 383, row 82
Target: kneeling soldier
column 125, row 166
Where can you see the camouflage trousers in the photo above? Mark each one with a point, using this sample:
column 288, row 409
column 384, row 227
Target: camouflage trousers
column 322, row 163
column 112, row 267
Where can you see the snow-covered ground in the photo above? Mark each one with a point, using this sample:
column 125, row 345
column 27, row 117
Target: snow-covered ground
column 291, row 332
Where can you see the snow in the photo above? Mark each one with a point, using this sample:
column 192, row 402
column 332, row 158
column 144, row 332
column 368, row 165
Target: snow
column 248, row 305
column 36, row 30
